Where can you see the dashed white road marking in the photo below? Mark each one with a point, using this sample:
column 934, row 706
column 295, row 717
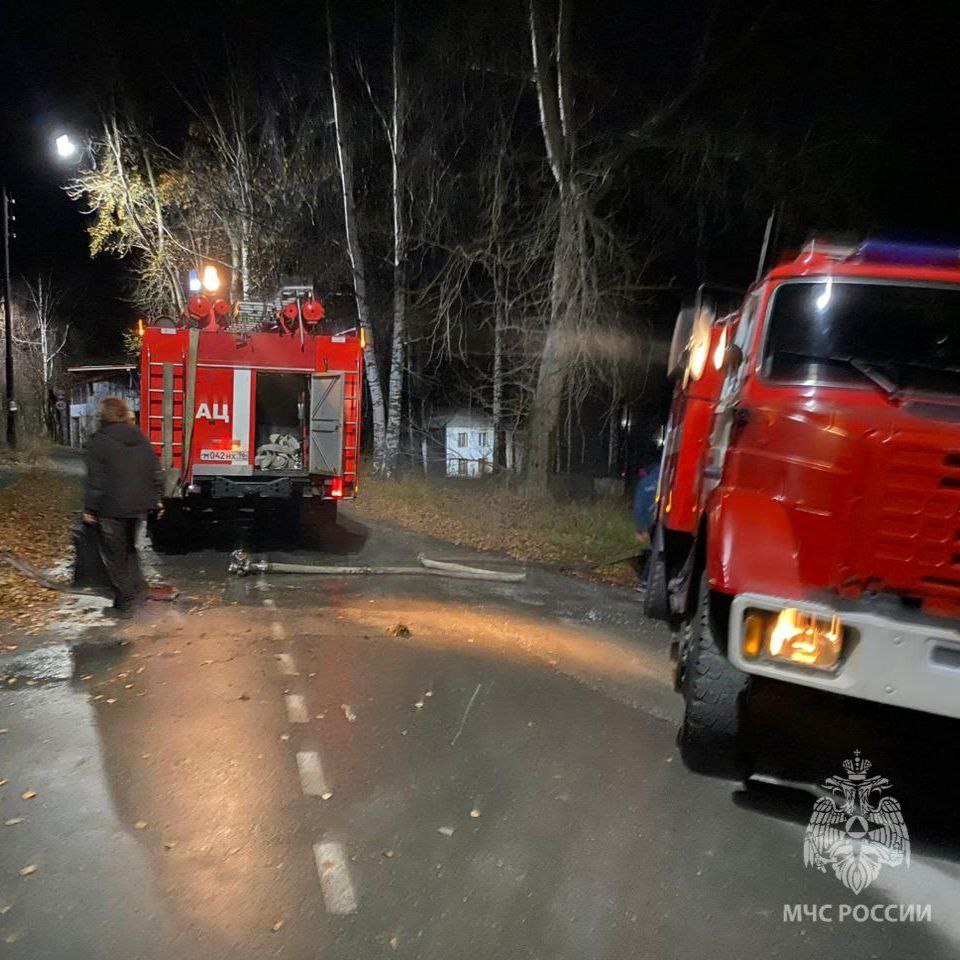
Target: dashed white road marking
column 296, row 708
column 278, row 630
column 338, row 893
column 286, row 665
column 312, row 780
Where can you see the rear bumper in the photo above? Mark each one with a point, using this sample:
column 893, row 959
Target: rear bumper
column 902, row 663
column 277, row 488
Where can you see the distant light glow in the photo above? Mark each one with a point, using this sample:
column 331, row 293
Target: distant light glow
column 211, row 279
column 194, row 281
column 824, row 299
column 65, row 146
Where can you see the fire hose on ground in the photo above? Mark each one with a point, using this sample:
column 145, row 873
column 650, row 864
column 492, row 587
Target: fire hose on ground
column 241, row 565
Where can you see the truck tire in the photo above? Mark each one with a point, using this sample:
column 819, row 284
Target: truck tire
column 713, row 738
column 656, row 600
column 167, row 533
column 322, row 513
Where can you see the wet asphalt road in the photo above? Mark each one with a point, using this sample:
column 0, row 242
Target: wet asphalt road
column 264, row 770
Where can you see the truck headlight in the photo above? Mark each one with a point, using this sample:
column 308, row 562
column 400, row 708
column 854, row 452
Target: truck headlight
column 792, row 636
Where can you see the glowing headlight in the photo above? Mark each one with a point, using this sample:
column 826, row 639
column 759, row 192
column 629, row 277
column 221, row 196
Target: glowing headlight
column 793, row 636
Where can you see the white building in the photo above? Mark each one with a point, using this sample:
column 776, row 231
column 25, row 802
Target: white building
column 89, row 385
column 469, row 444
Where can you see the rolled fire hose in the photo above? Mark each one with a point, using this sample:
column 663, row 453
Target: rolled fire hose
column 241, row 565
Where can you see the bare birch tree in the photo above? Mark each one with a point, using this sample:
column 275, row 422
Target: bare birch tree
column 398, row 202
column 41, row 335
column 355, row 254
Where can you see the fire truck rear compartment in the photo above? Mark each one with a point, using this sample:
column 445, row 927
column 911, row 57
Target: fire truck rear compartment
column 281, row 410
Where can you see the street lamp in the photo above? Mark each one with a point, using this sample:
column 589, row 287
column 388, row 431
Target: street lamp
column 66, row 148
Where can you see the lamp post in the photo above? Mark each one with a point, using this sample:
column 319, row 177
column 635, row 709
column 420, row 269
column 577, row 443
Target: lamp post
column 11, row 402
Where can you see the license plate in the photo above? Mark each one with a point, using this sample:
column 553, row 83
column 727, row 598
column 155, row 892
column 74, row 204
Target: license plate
column 224, row 456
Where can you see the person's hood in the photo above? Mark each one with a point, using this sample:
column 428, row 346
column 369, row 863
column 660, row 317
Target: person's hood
column 124, row 433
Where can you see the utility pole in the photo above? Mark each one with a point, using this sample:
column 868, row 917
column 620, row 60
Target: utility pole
column 8, row 323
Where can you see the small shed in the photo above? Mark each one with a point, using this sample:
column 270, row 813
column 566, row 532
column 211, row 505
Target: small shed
column 91, row 384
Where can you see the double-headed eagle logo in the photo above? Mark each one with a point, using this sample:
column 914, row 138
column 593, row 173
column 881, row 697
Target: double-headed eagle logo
column 855, row 830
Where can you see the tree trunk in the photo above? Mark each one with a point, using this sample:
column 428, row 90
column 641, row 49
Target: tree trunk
column 552, row 373
column 398, row 346
column 553, row 97
column 499, row 446
column 355, row 254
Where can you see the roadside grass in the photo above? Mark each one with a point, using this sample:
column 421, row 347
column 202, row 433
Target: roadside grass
column 37, row 509
column 488, row 514
column 31, row 450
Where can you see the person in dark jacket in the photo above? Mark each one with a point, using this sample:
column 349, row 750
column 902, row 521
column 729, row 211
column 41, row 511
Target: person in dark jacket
column 123, row 485
column 645, row 500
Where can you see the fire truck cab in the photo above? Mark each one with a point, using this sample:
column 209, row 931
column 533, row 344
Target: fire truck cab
column 263, row 416
column 807, row 531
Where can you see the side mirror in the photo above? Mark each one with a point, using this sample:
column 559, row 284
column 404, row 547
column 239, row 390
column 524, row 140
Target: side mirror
column 733, row 358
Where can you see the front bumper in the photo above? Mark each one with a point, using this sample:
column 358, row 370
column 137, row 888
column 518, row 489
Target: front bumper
column 903, row 663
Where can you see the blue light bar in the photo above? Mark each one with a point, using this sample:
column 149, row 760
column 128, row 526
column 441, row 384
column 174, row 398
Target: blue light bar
column 909, row 254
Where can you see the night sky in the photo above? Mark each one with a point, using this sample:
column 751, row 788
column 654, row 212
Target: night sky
column 880, row 82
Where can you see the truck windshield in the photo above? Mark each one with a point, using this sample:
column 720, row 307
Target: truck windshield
column 900, row 338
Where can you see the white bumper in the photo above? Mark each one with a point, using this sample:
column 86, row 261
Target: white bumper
column 897, row 662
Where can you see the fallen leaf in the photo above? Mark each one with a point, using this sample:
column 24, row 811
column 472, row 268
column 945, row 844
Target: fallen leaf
column 326, row 796
column 244, row 696
column 446, row 831
column 4, row 730
column 111, row 700
column 28, row 794
column 2, row 782
column 388, row 854
column 27, row 870
column 13, row 821
column 399, row 630
column 87, row 676
column 277, row 926
column 348, row 712
column 128, row 686
column 428, row 693
column 141, row 825
column 284, row 736
column 419, row 704
column 169, row 844
column 394, row 942
column 474, row 813
column 4, row 909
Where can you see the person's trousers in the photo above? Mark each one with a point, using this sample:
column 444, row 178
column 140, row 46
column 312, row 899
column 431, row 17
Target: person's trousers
column 118, row 547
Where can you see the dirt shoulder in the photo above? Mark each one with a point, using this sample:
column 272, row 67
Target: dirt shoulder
column 37, row 509
column 487, row 515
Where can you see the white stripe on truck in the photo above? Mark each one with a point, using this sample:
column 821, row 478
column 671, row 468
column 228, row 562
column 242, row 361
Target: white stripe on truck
column 241, row 409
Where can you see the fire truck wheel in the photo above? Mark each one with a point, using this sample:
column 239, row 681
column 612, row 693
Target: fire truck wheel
column 713, row 738
column 319, row 512
column 167, row 533
column 656, row 601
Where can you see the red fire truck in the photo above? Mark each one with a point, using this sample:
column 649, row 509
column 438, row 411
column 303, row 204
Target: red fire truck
column 808, row 517
column 244, row 411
